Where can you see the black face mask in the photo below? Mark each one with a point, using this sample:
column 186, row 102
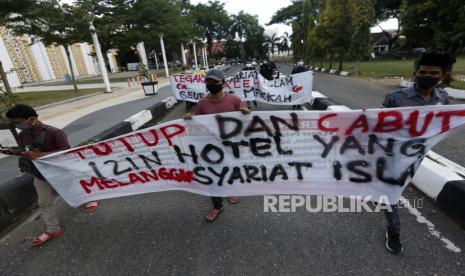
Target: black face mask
column 214, row 88
column 426, row 82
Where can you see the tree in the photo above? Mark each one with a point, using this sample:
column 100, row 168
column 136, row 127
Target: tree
column 250, row 33
column 212, row 20
column 272, row 40
column 7, row 9
column 335, row 24
column 52, row 23
column 285, row 39
column 384, row 10
column 435, row 26
column 300, row 14
column 237, row 28
column 255, row 37
column 363, row 17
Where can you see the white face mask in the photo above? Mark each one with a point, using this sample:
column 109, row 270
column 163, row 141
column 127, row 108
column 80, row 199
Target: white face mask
column 24, row 125
column 300, row 63
column 248, row 65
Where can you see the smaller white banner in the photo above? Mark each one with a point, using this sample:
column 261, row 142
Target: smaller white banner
column 249, row 86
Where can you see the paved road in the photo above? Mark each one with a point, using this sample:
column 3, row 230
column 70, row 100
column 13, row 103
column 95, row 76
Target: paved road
column 166, row 234
column 90, row 125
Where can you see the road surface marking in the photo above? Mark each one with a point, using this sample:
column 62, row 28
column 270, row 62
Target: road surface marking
column 431, row 228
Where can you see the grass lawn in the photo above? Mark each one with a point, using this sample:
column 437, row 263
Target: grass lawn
column 39, row 98
column 458, row 84
column 396, row 68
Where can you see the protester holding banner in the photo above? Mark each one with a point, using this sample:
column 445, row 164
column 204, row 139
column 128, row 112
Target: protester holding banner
column 266, row 70
column 37, row 140
column 190, row 106
column 250, row 66
column 299, row 68
column 217, row 102
column 430, row 71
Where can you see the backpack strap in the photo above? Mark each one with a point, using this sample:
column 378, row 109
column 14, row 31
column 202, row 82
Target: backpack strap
column 39, row 140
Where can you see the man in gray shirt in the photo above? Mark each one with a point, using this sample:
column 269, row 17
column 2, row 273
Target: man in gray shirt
column 430, row 71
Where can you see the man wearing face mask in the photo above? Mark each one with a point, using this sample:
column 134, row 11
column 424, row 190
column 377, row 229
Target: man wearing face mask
column 217, row 102
column 430, row 70
column 37, row 140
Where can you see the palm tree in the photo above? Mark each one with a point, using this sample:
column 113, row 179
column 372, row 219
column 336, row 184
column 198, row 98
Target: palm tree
column 272, row 41
column 239, row 27
column 285, row 39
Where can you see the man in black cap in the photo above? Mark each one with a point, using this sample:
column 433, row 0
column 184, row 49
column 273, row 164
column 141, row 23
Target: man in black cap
column 217, row 102
column 430, row 71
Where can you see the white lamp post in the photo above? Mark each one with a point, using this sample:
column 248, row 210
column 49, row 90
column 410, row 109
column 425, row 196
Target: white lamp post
column 162, row 44
column 101, row 63
column 195, row 55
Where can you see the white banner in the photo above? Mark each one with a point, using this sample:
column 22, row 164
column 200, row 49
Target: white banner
column 249, row 86
column 348, row 153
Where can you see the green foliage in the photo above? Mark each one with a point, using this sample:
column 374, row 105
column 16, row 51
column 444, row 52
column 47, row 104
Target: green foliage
column 52, row 22
column 212, row 19
column 287, row 14
column 363, row 17
column 434, row 25
column 385, row 9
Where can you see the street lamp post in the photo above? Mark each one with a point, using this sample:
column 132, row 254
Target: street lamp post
column 195, row 55
column 206, row 58
column 183, row 54
column 101, row 62
column 162, row 44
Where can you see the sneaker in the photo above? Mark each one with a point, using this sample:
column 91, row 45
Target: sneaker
column 393, row 243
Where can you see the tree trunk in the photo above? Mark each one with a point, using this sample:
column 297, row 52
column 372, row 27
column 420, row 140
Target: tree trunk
column 10, row 99
column 331, row 56
column 73, row 79
column 242, row 49
column 357, row 67
column 321, row 61
column 341, row 57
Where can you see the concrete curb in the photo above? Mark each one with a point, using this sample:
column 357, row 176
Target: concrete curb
column 330, row 71
column 439, row 178
column 19, row 195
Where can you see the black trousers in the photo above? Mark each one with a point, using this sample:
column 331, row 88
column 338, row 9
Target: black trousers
column 217, row 202
column 393, row 219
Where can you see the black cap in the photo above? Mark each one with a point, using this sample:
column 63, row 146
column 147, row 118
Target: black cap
column 215, row 74
column 434, row 59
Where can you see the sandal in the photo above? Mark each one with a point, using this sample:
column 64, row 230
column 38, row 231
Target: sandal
column 91, row 206
column 46, row 236
column 213, row 214
column 233, row 199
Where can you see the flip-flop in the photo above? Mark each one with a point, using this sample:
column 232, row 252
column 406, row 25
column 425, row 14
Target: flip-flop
column 212, row 219
column 233, row 200
column 46, row 236
column 91, row 206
